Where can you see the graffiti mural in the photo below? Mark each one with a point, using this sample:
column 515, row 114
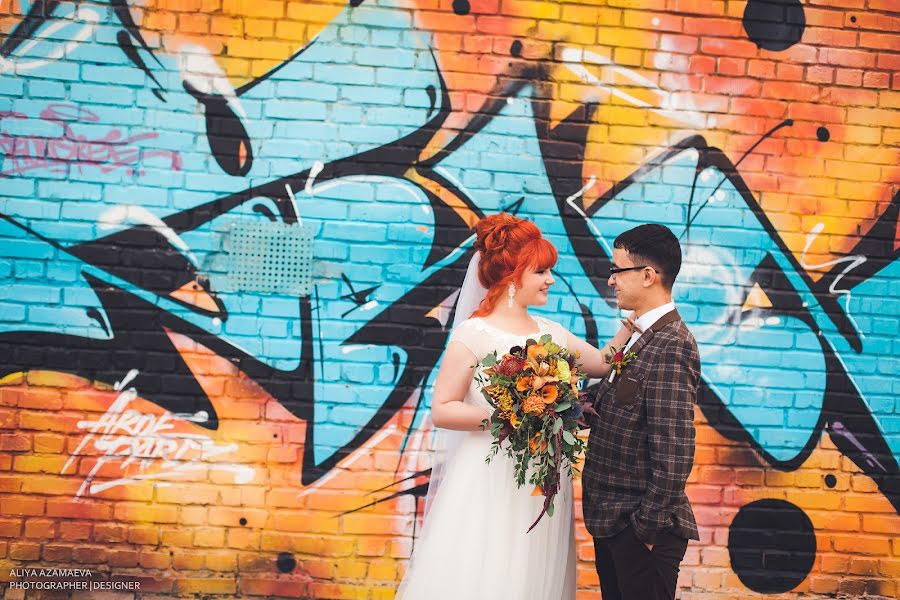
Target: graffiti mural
column 232, row 239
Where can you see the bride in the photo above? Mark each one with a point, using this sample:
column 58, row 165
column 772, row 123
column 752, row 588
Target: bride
column 474, row 544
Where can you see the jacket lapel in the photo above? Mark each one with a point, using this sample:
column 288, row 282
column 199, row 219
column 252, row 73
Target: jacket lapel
column 669, row 317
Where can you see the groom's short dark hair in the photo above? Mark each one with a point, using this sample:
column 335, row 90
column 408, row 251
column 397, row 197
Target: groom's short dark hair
column 655, row 246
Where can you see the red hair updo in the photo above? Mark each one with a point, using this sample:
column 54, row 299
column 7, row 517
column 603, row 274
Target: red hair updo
column 509, row 247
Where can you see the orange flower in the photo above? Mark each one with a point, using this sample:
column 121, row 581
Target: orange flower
column 537, row 352
column 539, row 382
column 537, row 491
column 536, row 444
column 514, row 421
column 549, row 393
column 534, row 405
column 524, row 383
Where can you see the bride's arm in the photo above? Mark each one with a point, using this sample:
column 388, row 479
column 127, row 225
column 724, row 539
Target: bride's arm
column 593, row 359
column 447, row 408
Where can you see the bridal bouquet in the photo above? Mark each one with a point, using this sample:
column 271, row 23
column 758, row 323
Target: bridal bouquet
column 538, row 410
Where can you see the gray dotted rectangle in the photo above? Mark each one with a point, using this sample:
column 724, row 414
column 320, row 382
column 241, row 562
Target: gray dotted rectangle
column 269, row 257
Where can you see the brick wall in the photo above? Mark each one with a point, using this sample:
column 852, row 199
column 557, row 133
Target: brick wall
column 187, row 400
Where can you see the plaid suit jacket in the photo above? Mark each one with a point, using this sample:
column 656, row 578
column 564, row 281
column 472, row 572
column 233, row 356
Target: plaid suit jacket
column 641, row 447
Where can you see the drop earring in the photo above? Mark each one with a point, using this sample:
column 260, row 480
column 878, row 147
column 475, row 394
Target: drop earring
column 510, row 292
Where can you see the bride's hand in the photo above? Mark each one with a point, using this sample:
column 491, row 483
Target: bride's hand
column 631, row 325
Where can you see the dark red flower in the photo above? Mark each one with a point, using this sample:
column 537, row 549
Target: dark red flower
column 510, row 366
column 618, row 357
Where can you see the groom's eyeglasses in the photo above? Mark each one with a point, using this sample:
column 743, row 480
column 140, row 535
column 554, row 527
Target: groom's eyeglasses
column 614, row 270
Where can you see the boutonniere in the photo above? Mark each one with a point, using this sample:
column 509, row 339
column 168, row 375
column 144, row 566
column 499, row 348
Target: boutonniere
column 618, row 360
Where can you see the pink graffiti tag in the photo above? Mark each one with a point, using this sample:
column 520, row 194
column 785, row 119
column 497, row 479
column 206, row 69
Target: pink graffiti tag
column 113, row 151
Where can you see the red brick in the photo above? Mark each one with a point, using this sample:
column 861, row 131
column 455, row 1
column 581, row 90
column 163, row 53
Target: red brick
column 857, row 544
column 205, row 586
column 42, row 398
column 110, row 532
column 888, row 62
column 702, row 64
column 79, row 509
column 725, row 47
column 57, row 553
column 123, row 558
column 873, row 20
column 731, row 86
column 40, row 528
column 830, row 37
column 732, row 66
column 10, row 528
column 9, row 418
column 849, row 77
column 708, row 26
column 43, row 421
column 820, row 17
column 853, row 97
column 847, row 58
column 889, row 100
column 90, row 554
column 879, row 41
column 75, row 530
column 876, row 79
column 758, row 107
column 762, row 69
column 881, row 524
column 149, row 559
column 648, row 20
column 22, row 505
column 699, row 7
column 821, row 584
column 803, row 53
column 286, row 588
column 15, row 442
column 24, row 551
column 788, row 72
column 50, row 443
column 188, row 561
column 146, row 513
column 790, row 91
column 817, row 74
column 816, row 112
column 683, row 44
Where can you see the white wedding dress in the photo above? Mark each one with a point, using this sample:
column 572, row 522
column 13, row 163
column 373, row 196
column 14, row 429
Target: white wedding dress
column 473, row 543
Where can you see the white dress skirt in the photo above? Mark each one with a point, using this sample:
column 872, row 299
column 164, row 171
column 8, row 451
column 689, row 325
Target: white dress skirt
column 474, row 543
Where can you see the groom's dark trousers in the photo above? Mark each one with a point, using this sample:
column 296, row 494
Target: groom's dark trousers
column 627, row 569
column 640, row 454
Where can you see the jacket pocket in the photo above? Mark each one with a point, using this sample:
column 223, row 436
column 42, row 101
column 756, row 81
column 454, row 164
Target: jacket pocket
column 628, row 391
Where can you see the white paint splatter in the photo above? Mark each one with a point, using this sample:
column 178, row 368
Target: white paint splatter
column 852, row 262
column 49, row 35
column 130, row 213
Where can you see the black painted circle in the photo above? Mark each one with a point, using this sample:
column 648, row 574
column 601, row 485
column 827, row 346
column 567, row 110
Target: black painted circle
column 853, row 19
column 830, row 481
column 286, row 562
column 461, row 7
column 823, row 134
column 774, row 24
column 516, row 48
column 243, row 521
column 772, row 545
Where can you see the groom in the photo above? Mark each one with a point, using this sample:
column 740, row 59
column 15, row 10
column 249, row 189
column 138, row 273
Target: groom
column 641, row 447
